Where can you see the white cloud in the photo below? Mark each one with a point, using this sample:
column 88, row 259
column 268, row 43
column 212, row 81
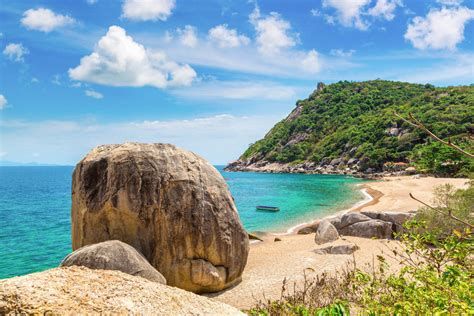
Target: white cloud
column 311, row 62
column 315, row 12
column 56, row 80
column 3, row 102
column 148, row 10
column 440, row 29
column 94, row 94
column 91, row 1
column 219, row 138
column 238, row 90
column 385, row 9
column 342, row 53
column 15, row 52
column 272, row 32
column 450, row 2
column 44, row 20
column 187, row 36
column 226, row 37
column 457, row 70
column 349, row 12
column 34, row 80
column 118, row 60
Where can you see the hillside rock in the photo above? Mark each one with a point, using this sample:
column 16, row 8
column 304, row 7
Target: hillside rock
column 326, row 233
column 113, row 255
column 169, row 204
column 79, row 290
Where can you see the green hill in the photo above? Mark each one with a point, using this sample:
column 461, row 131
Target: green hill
column 351, row 127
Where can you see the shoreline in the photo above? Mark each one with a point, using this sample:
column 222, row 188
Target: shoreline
column 387, row 194
column 368, row 198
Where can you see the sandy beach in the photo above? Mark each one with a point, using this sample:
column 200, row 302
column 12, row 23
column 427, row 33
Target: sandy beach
column 270, row 262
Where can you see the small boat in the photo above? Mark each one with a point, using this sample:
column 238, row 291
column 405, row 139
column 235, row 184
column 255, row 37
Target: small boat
column 268, row 208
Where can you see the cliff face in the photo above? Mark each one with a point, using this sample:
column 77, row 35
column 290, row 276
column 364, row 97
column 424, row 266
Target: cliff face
column 350, row 127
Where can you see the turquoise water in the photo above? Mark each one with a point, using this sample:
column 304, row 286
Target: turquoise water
column 35, row 209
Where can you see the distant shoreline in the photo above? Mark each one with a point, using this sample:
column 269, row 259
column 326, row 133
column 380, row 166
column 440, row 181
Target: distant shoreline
column 389, row 194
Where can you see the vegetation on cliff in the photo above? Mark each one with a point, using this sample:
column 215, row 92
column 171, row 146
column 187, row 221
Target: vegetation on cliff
column 356, row 120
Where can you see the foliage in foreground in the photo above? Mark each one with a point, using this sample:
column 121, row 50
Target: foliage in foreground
column 436, row 278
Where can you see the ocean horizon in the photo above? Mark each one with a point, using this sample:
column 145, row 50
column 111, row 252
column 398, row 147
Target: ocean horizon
column 35, row 204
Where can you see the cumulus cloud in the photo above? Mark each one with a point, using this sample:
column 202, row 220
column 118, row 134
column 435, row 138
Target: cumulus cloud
column 342, row 53
column 3, row 102
column 311, row 62
column 349, row 12
column 94, row 94
column 440, row 29
column 44, row 20
column 118, row 60
column 187, row 36
column 226, row 37
column 148, row 10
column 385, row 9
column 15, row 52
column 272, row 32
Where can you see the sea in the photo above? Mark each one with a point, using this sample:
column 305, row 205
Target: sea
column 35, row 205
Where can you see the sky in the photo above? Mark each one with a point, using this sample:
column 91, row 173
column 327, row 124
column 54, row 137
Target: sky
column 210, row 76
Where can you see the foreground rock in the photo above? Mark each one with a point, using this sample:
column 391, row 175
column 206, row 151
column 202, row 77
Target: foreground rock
column 79, row 290
column 169, row 204
column 113, row 255
column 326, row 233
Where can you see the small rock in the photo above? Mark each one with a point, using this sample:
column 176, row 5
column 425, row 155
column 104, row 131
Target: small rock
column 309, row 229
column 326, row 232
column 114, row 255
column 277, row 239
column 345, row 249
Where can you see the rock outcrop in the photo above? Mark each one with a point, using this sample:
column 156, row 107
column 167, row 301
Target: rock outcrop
column 82, row 291
column 114, row 255
column 326, row 232
column 169, row 204
column 373, row 228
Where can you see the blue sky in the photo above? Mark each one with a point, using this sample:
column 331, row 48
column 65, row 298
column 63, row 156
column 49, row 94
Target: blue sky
column 209, row 76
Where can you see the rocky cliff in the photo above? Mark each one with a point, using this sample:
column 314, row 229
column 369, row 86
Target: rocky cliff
column 351, row 128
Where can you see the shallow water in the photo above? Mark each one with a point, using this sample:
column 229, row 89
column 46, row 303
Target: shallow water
column 35, row 209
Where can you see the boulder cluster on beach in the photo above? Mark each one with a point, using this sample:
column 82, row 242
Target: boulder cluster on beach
column 379, row 225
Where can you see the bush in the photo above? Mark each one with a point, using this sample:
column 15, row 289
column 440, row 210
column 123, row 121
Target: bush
column 459, row 202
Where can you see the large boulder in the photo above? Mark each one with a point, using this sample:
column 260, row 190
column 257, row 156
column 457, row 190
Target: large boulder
column 396, row 218
column 82, row 291
column 373, row 228
column 326, row 233
column 113, row 255
column 170, row 204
